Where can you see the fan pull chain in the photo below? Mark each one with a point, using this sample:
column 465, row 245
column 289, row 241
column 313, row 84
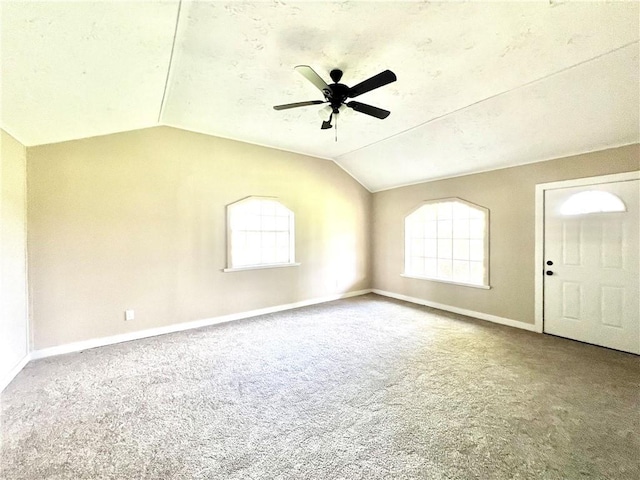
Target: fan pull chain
column 336, row 130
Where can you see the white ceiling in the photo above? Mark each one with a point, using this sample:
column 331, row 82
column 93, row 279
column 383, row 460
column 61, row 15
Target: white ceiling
column 481, row 85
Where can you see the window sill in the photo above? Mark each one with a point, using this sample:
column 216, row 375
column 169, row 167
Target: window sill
column 260, row 267
column 472, row 285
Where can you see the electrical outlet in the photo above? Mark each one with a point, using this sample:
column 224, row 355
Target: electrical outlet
column 129, row 315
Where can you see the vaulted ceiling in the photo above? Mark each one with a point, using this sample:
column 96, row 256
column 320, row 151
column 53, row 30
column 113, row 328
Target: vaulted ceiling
column 481, row 85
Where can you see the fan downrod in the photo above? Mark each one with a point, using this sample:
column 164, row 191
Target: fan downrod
column 336, row 75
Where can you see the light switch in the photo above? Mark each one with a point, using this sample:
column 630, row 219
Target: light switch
column 129, row 315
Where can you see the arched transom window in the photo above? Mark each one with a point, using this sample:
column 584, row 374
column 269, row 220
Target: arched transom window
column 260, row 234
column 592, row 201
column 447, row 240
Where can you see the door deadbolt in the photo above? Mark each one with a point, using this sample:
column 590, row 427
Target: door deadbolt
column 549, row 262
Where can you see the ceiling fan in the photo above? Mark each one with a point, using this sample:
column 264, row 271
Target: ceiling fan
column 336, row 94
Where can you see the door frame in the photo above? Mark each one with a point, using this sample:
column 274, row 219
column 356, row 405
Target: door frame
column 539, row 229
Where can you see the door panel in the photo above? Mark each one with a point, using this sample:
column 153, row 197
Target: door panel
column 592, row 293
column 571, row 243
column 571, row 300
column 613, row 241
column 612, row 306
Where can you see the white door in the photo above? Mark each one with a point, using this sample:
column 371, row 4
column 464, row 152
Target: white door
column 591, row 286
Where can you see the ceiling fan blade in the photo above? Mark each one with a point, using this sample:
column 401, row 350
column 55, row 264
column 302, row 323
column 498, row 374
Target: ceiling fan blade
column 298, row 104
column 372, row 83
column 369, row 109
column 310, row 74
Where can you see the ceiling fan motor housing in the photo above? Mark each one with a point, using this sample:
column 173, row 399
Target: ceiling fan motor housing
column 338, row 95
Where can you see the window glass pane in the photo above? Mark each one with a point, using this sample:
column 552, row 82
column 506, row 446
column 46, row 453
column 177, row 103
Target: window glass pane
column 280, row 210
column 431, row 267
column 431, row 229
column 269, row 223
column 282, row 255
column 429, row 211
column 410, row 221
column 253, row 240
column 444, row 248
column 417, row 265
column 252, row 256
column 267, row 207
column 417, row 228
column 268, row 240
column 475, row 213
column 238, row 259
column 239, row 239
column 445, row 229
column 268, row 255
column 592, row 201
column 460, row 271
column 253, row 222
column 252, row 250
column 476, row 229
column 460, row 228
column 461, row 249
column 282, row 223
column 250, row 207
column 414, row 217
column 444, row 269
column 431, row 248
column 476, row 250
column 445, row 210
column 476, row 273
column 460, row 210
column 238, row 222
column 282, row 239
column 239, row 248
column 417, row 247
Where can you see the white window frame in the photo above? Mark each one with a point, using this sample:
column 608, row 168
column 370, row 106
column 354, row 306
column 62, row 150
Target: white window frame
column 407, row 272
column 234, row 208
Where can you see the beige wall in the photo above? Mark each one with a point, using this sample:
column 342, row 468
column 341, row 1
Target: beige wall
column 13, row 243
column 137, row 221
column 509, row 194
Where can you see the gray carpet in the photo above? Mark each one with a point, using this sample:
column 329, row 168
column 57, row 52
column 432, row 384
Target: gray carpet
column 364, row 388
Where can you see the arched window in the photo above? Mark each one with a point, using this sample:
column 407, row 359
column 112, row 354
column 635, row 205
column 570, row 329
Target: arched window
column 260, row 234
column 592, row 201
column 447, row 240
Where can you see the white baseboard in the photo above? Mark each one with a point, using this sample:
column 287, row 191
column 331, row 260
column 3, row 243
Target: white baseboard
column 462, row 311
column 152, row 332
column 178, row 327
column 6, row 380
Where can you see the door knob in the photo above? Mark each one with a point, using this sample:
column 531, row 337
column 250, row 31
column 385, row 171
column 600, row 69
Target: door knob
column 549, row 272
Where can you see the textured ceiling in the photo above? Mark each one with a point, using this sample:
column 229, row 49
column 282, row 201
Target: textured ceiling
column 481, row 85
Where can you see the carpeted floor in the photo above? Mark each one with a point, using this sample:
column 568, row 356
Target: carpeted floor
column 363, row 388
